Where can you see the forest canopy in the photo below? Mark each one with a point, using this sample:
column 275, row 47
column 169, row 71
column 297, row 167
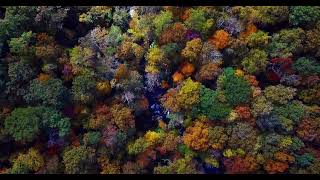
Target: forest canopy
column 160, row 90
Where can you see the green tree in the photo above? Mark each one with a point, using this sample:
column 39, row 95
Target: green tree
column 81, row 59
column 294, row 111
column 304, row 15
column 114, row 39
column 137, row 146
column 306, row 66
column 83, row 88
column 19, row 73
column 258, row 39
column 255, row 62
column 21, row 46
column 179, row 166
column 23, row 124
column 17, row 20
column 210, row 106
column 51, row 118
column 235, row 89
column 162, row 21
column 47, row 93
column 199, row 21
column 92, row 138
column 287, row 42
column 3, row 76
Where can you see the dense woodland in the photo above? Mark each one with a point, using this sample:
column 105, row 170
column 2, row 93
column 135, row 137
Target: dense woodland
column 163, row 90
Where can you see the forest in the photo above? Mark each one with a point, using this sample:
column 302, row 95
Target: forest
column 159, row 90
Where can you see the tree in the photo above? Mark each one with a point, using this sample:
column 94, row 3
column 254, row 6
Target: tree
column 258, row 39
column 169, row 100
column 210, row 106
column 120, row 17
column 294, row 111
column 130, row 51
column 3, row 76
column 162, row 21
column 155, row 57
column 26, row 163
column 305, row 160
column 79, row 160
column 220, row 39
column 174, row 33
column 209, row 71
column 217, row 137
column 141, row 28
column 153, row 138
column 122, row 117
column 306, row 67
column 50, row 18
column 192, row 49
column 81, row 59
column 97, row 15
column 308, row 130
column 108, row 167
column 312, row 43
column 269, row 123
column 51, row 118
column 170, row 143
column 197, row 136
column 310, row 95
column 279, row 94
column 113, row 40
column 92, row 138
column 235, row 89
column 83, row 88
column 265, row 15
column 17, row 20
column 23, row 124
column 21, row 46
column 242, row 135
column 303, row 15
column 47, row 92
column 47, row 48
column 137, row 146
column 273, row 167
column 209, row 54
column 286, row 43
column 179, row 166
column 198, row 20
column 19, row 73
column 255, row 62
column 189, row 94
column 241, row 165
